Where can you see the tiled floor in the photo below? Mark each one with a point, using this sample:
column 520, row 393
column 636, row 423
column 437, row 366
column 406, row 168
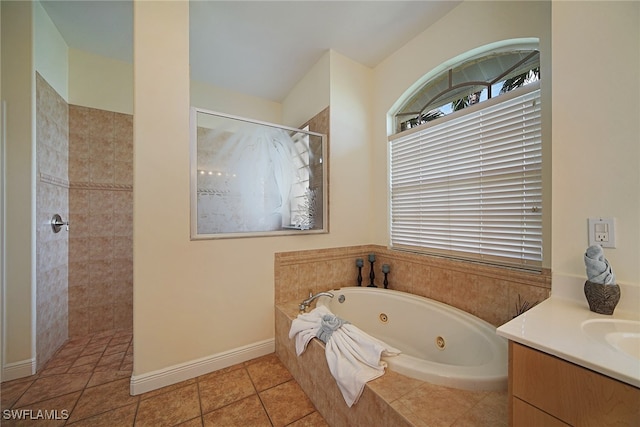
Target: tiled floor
column 87, row 384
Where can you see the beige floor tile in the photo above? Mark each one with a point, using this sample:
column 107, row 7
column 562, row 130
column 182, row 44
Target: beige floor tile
column 74, row 344
column 312, row 420
column 113, row 366
column 58, row 360
column 86, row 377
column 118, row 417
column 50, row 413
column 220, row 390
column 80, row 369
column 286, row 403
column 90, row 359
column 245, row 412
column 116, row 348
column 170, row 408
column 121, row 338
column 53, row 386
column 11, row 391
column 196, row 422
column 268, row 372
column 103, row 377
column 166, row 389
column 93, row 348
column 111, row 359
column 54, row 371
column 103, row 398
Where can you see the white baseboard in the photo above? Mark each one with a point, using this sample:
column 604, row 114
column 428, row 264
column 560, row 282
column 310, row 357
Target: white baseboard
column 15, row 370
column 184, row 371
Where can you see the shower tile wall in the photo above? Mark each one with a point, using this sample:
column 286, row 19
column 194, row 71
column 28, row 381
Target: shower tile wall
column 52, row 196
column 101, row 215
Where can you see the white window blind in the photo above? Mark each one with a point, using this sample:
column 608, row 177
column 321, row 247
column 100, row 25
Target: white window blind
column 470, row 185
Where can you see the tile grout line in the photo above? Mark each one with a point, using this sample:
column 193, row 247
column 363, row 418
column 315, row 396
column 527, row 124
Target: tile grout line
column 82, row 391
column 264, row 408
column 38, row 377
column 106, row 340
column 199, row 400
column 93, row 371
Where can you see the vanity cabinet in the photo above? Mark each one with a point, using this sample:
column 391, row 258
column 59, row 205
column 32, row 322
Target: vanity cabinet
column 546, row 391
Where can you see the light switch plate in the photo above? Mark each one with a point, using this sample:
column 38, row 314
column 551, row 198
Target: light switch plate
column 602, row 232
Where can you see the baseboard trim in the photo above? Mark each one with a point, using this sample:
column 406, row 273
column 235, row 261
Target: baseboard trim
column 184, row 371
column 21, row 369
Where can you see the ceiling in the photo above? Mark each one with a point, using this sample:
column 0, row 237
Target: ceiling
column 259, row 48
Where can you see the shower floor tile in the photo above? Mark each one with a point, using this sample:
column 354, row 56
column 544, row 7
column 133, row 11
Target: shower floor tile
column 86, row 383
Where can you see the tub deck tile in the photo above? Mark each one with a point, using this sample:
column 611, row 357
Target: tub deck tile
column 390, row 400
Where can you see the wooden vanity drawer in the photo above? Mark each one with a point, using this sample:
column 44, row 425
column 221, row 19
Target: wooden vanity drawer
column 530, row 416
column 573, row 394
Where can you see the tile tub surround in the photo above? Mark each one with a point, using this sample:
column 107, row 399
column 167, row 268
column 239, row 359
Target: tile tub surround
column 490, row 293
column 391, row 400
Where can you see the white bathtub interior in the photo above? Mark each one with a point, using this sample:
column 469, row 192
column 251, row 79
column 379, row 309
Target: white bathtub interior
column 440, row 343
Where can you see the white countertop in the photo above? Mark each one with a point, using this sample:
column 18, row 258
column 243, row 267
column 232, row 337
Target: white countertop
column 555, row 327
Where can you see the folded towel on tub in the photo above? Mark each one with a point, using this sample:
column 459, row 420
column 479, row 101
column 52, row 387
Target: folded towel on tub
column 353, row 356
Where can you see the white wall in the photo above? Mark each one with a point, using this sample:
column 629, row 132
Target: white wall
column 596, row 133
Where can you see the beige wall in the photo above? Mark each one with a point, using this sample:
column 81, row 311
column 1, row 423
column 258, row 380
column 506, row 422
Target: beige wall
column 476, row 24
column 51, row 52
column 18, row 90
column 225, row 101
column 309, row 96
column 99, row 82
column 186, row 293
column 596, row 133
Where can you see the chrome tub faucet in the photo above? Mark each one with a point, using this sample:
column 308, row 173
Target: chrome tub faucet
column 305, row 304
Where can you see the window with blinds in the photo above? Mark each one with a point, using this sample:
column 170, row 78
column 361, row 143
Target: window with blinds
column 469, row 185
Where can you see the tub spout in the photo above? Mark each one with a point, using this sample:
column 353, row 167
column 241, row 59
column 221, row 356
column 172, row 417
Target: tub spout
column 305, row 304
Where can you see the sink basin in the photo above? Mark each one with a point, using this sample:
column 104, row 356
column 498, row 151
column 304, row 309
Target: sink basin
column 621, row 335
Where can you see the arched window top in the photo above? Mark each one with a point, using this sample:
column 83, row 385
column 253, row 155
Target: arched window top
column 472, row 81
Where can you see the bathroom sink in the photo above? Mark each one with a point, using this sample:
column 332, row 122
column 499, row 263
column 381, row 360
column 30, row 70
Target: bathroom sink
column 621, row 335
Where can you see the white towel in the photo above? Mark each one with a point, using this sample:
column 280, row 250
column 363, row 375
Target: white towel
column 353, row 356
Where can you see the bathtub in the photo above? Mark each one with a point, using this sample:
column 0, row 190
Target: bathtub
column 440, row 344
